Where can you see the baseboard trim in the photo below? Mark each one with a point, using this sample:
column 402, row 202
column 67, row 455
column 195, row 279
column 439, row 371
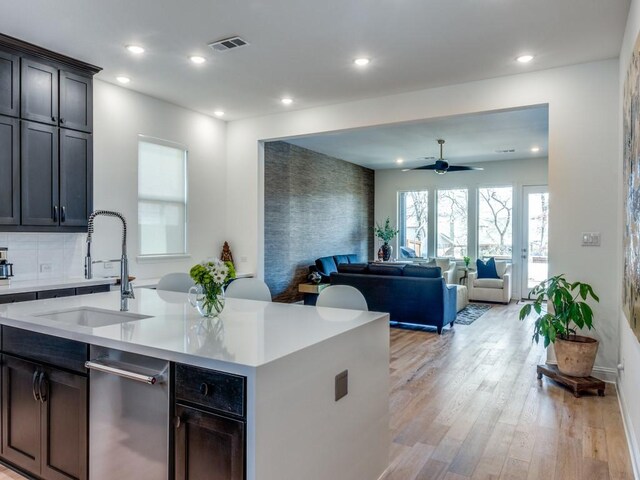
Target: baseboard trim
column 632, row 441
column 609, row 375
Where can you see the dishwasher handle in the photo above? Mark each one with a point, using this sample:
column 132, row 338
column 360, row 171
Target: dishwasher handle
column 112, row 369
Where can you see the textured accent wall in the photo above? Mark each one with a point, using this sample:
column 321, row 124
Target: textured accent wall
column 314, row 205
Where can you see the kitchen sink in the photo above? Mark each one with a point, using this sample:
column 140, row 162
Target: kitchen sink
column 91, row 317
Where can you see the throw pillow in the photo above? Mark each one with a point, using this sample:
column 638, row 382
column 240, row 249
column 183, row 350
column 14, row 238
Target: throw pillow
column 487, row 269
column 341, row 259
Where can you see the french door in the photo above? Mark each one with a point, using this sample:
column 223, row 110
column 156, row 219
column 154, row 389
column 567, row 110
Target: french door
column 535, row 250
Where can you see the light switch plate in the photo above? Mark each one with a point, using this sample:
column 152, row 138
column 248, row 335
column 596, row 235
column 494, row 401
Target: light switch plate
column 342, row 384
column 590, row 239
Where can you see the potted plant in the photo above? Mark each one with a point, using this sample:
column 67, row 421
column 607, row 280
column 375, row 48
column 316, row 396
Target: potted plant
column 385, row 233
column 576, row 354
column 210, row 277
column 467, row 261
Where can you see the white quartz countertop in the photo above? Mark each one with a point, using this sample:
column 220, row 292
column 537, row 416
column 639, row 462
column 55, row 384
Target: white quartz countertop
column 25, row 286
column 247, row 334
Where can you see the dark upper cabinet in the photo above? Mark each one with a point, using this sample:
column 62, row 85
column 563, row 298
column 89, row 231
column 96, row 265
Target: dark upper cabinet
column 39, row 168
column 9, row 84
column 76, row 174
column 39, row 92
column 208, row 446
column 10, row 168
column 76, row 102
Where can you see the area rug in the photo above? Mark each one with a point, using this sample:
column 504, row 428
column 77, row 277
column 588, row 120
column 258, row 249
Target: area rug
column 471, row 313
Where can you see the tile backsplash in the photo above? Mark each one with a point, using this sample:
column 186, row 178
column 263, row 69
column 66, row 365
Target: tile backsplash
column 43, row 256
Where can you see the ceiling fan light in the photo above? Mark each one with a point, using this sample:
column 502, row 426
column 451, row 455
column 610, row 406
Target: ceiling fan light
column 440, row 172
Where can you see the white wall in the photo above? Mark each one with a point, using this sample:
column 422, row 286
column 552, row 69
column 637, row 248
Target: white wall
column 583, row 165
column 119, row 116
column 515, row 173
column 629, row 380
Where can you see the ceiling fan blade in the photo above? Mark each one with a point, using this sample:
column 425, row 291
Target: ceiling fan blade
column 462, row 168
column 426, row 167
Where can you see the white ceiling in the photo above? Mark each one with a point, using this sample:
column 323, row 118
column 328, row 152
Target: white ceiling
column 305, row 48
column 469, row 139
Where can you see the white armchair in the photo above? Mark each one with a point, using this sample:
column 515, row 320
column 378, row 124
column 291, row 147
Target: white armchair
column 491, row 289
column 449, row 269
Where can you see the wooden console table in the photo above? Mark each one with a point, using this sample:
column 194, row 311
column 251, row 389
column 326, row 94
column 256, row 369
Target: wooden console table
column 311, row 291
column 576, row 384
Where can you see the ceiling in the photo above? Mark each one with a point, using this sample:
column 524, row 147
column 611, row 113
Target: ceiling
column 469, row 139
column 305, row 48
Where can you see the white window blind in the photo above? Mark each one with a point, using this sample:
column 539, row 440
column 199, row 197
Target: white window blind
column 162, row 198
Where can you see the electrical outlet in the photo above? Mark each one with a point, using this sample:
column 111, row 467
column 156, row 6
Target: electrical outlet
column 108, row 265
column 590, row 239
column 45, row 268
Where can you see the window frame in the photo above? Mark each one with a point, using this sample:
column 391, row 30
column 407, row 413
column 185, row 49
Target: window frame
column 470, row 242
column 185, row 150
column 401, row 219
column 477, row 220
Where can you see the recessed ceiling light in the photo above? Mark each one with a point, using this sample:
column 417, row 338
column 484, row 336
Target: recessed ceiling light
column 535, row 149
column 406, row 169
column 399, row 160
column 524, row 58
column 197, row 59
column 218, row 113
column 361, row 62
column 122, row 79
column 287, row 100
column 137, row 49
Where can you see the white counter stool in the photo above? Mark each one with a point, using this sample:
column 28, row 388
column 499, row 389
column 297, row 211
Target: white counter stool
column 342, row 296
column 249, row 289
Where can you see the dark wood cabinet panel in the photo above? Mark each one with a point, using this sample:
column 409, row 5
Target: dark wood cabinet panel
column 21, row 413
column 58, row 293
column 10, row 170
column 76, row 177
column 9, row 84
column 17, row 297
column 64, row 439
column 93, row 289
column 208, row 446
column 39, row 170
column 39, row 92
column 76, row 102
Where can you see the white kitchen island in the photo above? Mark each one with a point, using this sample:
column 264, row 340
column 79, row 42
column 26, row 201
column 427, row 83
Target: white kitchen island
column 290, row 356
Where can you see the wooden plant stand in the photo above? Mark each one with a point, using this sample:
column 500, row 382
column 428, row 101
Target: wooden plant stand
column 576, row 384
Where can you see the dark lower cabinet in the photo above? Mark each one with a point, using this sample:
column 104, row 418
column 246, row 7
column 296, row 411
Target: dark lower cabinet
column 208, row 446
column 39, row 166
column 44, row 420
column 10, row 168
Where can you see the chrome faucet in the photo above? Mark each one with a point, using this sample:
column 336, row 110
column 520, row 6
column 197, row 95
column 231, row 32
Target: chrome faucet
column 126, row 289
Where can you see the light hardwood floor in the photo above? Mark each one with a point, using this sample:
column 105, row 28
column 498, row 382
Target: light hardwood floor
column 467, row 405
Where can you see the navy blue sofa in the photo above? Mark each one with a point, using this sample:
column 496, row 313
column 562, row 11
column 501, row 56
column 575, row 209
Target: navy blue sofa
column 325, row 266
column 410, row 294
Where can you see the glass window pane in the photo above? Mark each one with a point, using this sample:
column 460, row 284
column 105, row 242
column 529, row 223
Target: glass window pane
column 452, row 208
column 414, row 216
column 162, row 199
column 495, row 222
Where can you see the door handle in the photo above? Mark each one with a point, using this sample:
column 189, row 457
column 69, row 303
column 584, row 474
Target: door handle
column 43, row 387
column 63, row 214
column 104, row 366
column 36, row 396
column 177, row 421
column 55, row 213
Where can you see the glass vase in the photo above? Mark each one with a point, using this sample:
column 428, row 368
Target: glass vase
column 208, row 301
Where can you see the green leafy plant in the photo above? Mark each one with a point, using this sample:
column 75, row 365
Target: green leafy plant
column 467, row 261
column 570, row 309
column 385, row 233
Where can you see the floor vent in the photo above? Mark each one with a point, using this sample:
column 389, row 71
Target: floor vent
column 228, row 44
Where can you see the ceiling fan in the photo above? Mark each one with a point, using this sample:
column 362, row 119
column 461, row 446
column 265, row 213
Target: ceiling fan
column 441, row 166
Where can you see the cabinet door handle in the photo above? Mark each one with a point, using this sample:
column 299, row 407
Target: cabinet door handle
column 204, row 389
column 43, row 387
column 53, row 119
column 177, row 421
column 55, row 213
column 36, row 397
column 63, row 214
column 61, row 120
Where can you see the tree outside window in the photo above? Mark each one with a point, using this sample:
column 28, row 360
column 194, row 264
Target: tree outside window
column 453, row 213
column 414, row 217
column 495, row 222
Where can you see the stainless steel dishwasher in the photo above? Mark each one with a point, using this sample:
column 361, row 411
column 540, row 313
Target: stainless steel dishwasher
column 128, row 416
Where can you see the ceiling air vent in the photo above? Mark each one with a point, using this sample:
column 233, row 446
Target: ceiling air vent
column 506, row 150
column 228, row 44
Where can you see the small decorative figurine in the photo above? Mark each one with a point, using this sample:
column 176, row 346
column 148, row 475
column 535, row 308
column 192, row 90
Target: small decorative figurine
column 226, row 255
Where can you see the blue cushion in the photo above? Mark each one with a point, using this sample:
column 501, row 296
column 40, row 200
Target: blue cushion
column 487, row 269
column 326, row 265
column 353, row 258
column 341, row 259
column 377, row 269
column 422, row 272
